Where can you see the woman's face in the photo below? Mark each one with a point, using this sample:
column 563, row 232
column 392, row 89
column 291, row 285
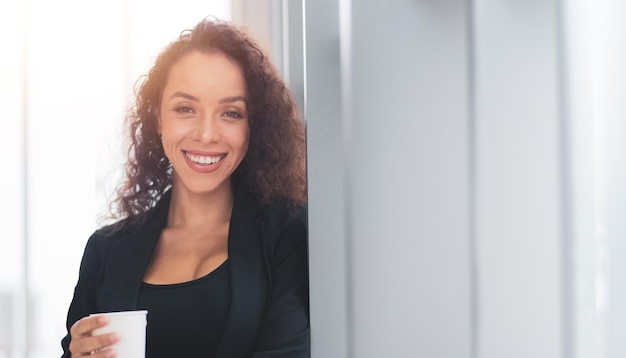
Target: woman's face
column 204, row 121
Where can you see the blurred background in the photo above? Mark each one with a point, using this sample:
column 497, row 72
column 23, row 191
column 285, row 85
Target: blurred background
column 466, row 165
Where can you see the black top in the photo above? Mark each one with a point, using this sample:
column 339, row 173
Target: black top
column 268, row 313
column 186, row 319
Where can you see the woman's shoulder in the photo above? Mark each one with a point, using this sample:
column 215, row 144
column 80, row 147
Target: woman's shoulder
column 129, row 225
column 119, row 229
column 157, row 210
column 284, row 227
column 273, row 212
column 102, row 237
column 284, row 214
column 115, row 229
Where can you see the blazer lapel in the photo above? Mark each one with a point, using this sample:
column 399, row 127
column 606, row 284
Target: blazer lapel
column 248, row 280
column 124, row 274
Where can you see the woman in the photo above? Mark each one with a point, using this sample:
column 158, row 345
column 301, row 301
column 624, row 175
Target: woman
column 211, row 238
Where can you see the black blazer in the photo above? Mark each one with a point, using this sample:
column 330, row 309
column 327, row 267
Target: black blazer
column 267, row 253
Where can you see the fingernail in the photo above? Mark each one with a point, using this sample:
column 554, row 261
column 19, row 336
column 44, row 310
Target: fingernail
column 113, row 337
column 110, row 353
column 102, row 319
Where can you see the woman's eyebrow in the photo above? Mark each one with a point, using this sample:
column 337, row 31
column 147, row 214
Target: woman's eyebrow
column 185, row 96
column 230, row 99
column 233, row 99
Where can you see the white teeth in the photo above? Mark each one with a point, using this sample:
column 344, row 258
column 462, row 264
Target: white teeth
column 200, row 159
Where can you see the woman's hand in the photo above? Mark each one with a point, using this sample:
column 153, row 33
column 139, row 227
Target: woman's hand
column 84, row 343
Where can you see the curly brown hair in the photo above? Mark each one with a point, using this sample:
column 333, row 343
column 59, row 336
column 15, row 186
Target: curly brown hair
column 274, row 166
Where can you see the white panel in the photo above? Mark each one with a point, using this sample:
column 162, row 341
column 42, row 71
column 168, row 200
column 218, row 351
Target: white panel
column 256, row 16
column 609, row 112
column 11, row 177
column 409, row 179
column 293, row 42
column 327, row 240
column 589, row 314
column 75, row 80
column 11, row 145
column 518, row 201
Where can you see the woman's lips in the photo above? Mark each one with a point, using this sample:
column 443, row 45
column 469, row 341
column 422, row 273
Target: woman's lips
column 204, row 162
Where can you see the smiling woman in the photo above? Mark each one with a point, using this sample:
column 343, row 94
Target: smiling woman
column 65, row 83
column 211, row 238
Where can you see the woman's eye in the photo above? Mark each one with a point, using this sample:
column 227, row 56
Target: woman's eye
column 232, row 114
column 184, row 109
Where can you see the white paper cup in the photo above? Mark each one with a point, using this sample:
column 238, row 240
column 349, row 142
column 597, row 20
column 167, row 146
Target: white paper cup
column 131, row 328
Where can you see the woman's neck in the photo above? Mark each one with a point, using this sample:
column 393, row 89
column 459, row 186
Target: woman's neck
column 192, row 210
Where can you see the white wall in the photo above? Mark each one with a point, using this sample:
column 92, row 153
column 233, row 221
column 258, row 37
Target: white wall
column 436, row 176
column 518, row 179
column 328, row 246
column 605, row 87
column 408, row 179
column 389, row 179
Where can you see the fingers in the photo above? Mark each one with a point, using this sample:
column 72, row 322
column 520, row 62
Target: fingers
column 84, row 344
column 104, row 353
column 86, row 325
column 94, row 345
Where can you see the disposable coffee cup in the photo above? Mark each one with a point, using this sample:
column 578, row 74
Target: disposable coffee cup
column 131, row 328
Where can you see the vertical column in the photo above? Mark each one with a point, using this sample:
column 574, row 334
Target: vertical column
column 608, row 32
column 328, row 266
column 389, row 197
column 258, row 17
column 12, row 251
column 518, row 179
column 293, row 47
column 588, row 271
column 409, row 179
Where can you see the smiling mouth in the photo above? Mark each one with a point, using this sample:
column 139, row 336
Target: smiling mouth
column 204, row 159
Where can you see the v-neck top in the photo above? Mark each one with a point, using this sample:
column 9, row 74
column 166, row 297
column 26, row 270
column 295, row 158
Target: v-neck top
column 268, row 311
column 186, row 319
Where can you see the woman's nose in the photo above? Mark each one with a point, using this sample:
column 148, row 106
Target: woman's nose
column 207, row 130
